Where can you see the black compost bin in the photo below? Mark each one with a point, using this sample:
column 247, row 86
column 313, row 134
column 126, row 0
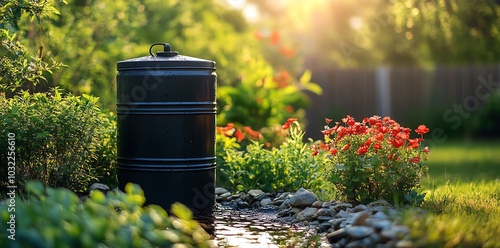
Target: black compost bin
column 166, row 107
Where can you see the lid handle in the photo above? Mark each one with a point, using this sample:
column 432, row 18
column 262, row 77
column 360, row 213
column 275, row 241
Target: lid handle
column 166, row 50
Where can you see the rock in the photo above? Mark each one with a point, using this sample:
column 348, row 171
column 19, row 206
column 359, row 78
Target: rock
column 359, row 208
column 323, row 226
column 380, row 225
column 379, row 215
column 336, row 222
column 282, row 196
column 225, row 196
column 359, row 219
column 307, row 214
column 359, row 232
column 285, row 204
column 404, row 244
column 220, row 191
column 285, row 212
column 323, row 218
column 99, row 186
column 317, row 204
column 354, row 244
column 303, row 198
column 334, row 237
column 342, row 214
column 394, row 233
column 241, row 203
column 235, row 196
column 368, row 242
column 265, row 202
column 326, row 212
column 341, row 206
column 255, row 192
column 401, row 230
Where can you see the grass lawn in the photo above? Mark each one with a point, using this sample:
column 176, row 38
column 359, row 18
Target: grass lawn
column 462, row 197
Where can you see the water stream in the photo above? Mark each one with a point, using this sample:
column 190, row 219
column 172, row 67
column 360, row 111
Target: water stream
column 233, row 227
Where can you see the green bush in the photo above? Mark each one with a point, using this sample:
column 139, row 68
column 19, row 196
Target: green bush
column 62, row 141
column 288, row 167
column 485, row 123
column 56, row 218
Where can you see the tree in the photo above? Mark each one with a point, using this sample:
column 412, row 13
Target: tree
column 20, row 68
column 91, row 36
column 450, row 31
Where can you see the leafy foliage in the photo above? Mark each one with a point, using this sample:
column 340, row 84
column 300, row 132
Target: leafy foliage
column 56, row 218
column 19, row 67
column 268, row 101
column 451, row 31
column 62, row 141
column 484, row 123
column 91, row 36
column 285, row 168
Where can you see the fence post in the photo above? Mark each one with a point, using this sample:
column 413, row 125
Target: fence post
column 383, row 86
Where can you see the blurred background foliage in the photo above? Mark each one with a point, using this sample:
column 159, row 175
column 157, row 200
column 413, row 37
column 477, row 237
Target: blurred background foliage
column 263, row 49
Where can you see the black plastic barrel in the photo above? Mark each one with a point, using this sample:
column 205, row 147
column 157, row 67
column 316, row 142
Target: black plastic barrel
column 166, row 109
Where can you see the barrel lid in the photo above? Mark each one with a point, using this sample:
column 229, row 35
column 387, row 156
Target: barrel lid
column 165, row 59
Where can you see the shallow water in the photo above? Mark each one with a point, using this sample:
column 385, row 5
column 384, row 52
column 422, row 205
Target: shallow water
column 233, row 227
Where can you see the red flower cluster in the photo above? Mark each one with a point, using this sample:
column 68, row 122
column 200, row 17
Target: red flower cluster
column 374, row 132
column 231, row 131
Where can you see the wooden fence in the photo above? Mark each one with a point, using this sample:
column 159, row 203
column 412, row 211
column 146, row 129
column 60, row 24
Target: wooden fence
column 407, row 94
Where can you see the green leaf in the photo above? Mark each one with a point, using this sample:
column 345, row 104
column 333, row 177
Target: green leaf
column 35, row 187
column 306, row 77
column 181, row 211
column 313, row 87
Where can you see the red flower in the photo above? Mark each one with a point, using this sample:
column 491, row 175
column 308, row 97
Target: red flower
column 334, row 151
column 383, row 129
column 422, row 129
column 426, row 150
column 256, row 135
column 315, row 152
column 275, row 38
column 288, row 52
column 373, row 120
column 328, row 131
column 288, row 122
column 324, row 147
column 397, row 143
column 257, row 35
column 362, row 150
column 227, row 131
column 346, row 147
column 414, row 143
column 379, row 136
column 328, row 120
column 283, row 78
column 349, row 120
column 415, row 160
column 377, row 146
column 239, row 135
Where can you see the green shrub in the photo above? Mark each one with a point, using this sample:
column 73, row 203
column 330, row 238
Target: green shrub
column 288, row 167
column 62, row 141
column 485, row 123
column 56, row 218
